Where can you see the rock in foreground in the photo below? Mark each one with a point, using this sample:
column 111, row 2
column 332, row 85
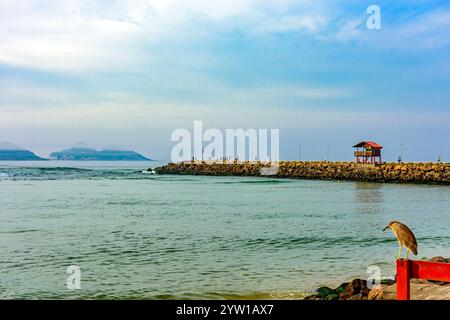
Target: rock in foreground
column 357, row 289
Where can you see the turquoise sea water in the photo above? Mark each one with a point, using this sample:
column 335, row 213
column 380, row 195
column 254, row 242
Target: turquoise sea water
column 136, row 235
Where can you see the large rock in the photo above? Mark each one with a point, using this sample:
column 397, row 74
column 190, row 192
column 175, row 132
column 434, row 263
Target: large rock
column 439, row 259
column 313, row 297
column 356, row 287
column 376, row 293
column 341, row 288
column 327, row 293
column 420, row 290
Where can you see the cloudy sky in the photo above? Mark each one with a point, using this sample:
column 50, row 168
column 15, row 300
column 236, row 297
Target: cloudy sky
column 128, row 73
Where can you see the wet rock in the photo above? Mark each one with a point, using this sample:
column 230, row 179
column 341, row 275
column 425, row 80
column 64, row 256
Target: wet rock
column 357, row 286
column 364, row 292
column 333, row 296
column 387, row 282
column 313, row 297
column 439, row 259
column 354, row 297
column 326, row 293
column 376, row 293
column 341, row 288
column 420, row 291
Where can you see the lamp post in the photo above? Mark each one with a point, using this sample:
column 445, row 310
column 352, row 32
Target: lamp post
column 400, row 158
column 299, row 152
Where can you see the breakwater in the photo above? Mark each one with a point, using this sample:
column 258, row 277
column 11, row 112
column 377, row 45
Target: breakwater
column 432, row 173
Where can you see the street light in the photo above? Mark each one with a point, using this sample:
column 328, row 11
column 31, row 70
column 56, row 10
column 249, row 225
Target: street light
column 440, row 154
column 400, row 158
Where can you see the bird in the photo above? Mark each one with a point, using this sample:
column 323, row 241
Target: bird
column 405, row 237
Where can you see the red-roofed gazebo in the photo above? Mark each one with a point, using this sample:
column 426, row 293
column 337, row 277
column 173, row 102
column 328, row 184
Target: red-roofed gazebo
column 370, row 153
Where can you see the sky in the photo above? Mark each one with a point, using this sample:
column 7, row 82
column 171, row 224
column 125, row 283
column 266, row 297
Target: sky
column 129, row 72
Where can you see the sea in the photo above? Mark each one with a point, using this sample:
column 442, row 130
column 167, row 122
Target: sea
column 134, row 235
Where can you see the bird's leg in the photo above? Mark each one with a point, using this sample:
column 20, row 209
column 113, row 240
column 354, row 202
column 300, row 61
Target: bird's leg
column 399, row 250
column 407, row 253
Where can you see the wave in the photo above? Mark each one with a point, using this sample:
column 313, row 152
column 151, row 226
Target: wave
column 254, row 295
column 288, row 243
column 18, row 231
column 146, row 295
column 68, row 169
column 69, row 173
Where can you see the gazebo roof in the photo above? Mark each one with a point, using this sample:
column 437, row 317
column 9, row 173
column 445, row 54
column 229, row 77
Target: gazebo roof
column 368, row 144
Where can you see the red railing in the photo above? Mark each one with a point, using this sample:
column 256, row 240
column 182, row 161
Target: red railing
column 409, row 269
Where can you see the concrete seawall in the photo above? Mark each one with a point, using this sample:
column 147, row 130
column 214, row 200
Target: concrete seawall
column 430, row 173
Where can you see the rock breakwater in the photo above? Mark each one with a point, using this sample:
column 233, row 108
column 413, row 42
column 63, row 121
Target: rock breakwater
column 432, row 173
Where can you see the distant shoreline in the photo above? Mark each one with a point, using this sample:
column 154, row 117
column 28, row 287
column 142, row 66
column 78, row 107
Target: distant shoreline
column 16, row 153
column 419, row 173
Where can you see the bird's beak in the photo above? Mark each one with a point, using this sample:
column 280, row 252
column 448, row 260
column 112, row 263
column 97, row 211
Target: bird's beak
column 384, row 230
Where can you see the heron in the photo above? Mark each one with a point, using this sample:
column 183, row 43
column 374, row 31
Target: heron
column 405, row 237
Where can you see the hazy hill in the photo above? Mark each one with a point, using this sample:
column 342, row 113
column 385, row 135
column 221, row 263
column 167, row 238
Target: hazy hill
column 11, row 152
column 79, row 154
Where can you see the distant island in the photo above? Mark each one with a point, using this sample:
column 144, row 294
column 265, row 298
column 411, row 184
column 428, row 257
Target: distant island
column 12, row 152
column 85, row 154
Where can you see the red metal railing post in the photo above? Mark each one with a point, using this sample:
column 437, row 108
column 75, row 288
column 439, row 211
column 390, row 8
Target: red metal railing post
column 403, row 277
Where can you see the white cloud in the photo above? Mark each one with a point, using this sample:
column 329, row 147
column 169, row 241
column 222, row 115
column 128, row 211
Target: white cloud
column 350, row 30
column 80, row 36
column 29, row 95
column 428, row 30
column 312, row 24
column 23, row 94
column 59, row 37
column 220, row 9
column 111, row 117
column 277, row 95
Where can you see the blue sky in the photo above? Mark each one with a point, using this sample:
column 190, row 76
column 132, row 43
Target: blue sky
column 130, row 72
